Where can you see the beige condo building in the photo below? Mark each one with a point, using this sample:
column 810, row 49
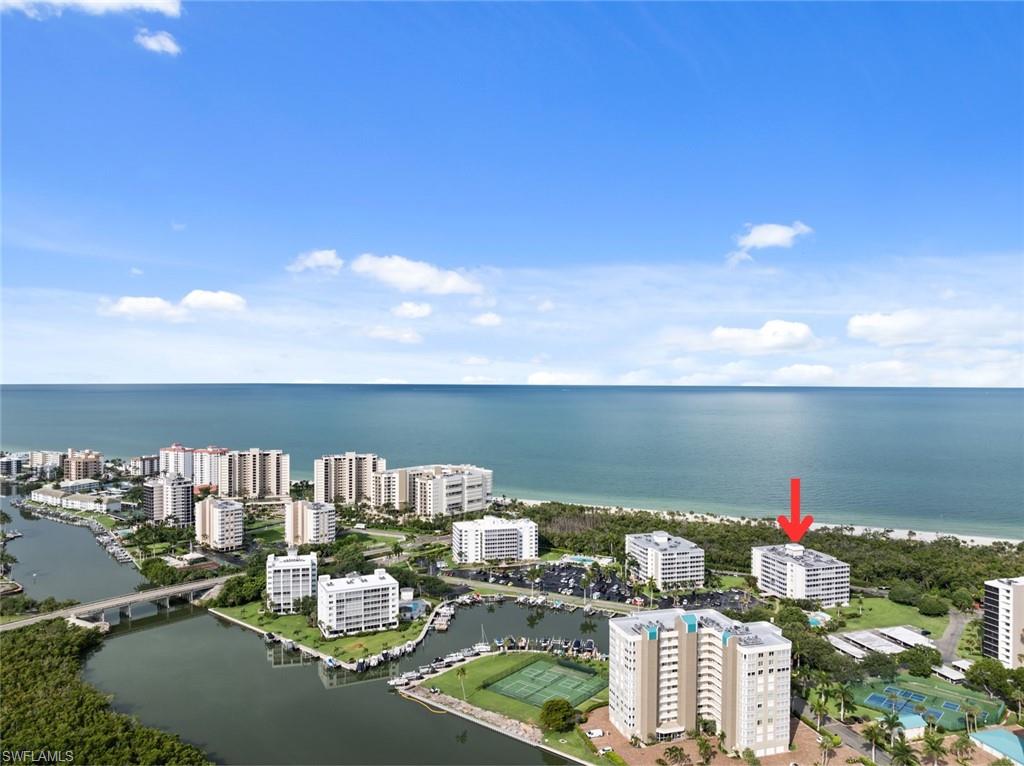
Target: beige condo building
column 307, row 523
column 82, row 464
column 219, row 523
column 346, row 477
column 254, row 473
column 434, row 490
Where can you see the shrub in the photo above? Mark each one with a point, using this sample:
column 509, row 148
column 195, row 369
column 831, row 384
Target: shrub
column 558, row 714
column 932, row 606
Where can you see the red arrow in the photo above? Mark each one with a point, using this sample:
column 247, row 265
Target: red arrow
column 795, row 526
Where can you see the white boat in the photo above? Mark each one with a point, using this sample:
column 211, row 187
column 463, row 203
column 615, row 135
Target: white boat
column 410, row 647
column 482, row 648
column 399, row 681
column 453, row 658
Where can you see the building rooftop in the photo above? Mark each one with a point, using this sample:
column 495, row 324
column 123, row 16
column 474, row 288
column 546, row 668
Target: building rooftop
column 490, row 522
column 798, row 554
column 746, row 633
column 50, row 492
column 906, row 636
column 1007, row 581
column 662, row 541
column 293, row 557
column 356, row 581
column 873, row 642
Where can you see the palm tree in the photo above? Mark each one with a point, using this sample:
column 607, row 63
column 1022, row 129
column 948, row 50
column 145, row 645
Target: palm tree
column 963, row 748
column 650, row 591
column 827, row 747
column 902, row 754
column 1017, row 695
column 891, row 724
column 584, row 584
column 971, row 711
column 706, row 750
column 934, row 746
column 874, row 733
column 843, row 694
column 674, row 754
column 819, row 706
column 460, row 673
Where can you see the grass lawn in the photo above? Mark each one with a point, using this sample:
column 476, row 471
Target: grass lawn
column 883, row 613
column 574, row 743
column 969, row 646
column 294, row 626
column 731, row 581
column 554, row 554
column 267, row 531
column 936, row 692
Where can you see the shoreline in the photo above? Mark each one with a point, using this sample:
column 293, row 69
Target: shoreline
column 857, row 529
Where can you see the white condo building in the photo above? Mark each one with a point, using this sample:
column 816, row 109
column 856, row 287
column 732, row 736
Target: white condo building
column 1002, row 627
column 346, row 477
column 307, row 523
column 206, row 465
column 254, row 473
column 668, row 560
column 177, row 459
column 434, row 490
column 143, row 465
column 793, row 571
column 356, row 603
column 168, row 498
column 668, row 668
column 494, row 539
column 289, row 578
column 219, row 523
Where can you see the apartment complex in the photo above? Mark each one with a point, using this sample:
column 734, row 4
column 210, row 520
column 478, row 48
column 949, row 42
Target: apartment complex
column 219, row 523
column 346, row 477
column 307, row 523
column 494, row 539
column 356, row 603
column 793, row 571
column 668, row 668
column 143, row 465
column 10, row 465
column 83, row 464
column 1002, row 627
column 168, row 498
column 289, row 579
column 254, row 473
column 670, row 561
column 206, row 465
column 40, row 458
column 177, row 459
column 434, row 490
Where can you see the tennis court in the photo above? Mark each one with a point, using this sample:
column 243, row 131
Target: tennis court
column 935, row 700
column 542, row 680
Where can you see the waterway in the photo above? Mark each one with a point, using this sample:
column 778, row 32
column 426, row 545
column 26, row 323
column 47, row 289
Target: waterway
column 221, row 688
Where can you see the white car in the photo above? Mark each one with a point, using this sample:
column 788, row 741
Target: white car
column 604, row 750
column 595, row 733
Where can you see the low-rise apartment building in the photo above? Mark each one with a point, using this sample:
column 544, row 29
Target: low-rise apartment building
column 93, row 503
column 793, row 571
column 670, row 668
column 1002, row 626
column 307, row 523
column 494, row 539
column 672, row 562
column 80, row 485
column 356, row 603
column 254, row 473
column 220, row 523
column 346, row 477
column 168, row 498
column 289, row 579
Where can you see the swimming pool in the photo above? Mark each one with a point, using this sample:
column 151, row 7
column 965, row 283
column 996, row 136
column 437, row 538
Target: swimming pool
column 1000, row 742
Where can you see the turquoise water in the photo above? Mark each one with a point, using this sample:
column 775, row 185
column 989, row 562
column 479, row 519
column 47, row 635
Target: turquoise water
column 1005, row 742
column 948, row 460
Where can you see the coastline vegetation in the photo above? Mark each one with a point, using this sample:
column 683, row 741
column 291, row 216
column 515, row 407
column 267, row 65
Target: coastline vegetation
column 46, row 707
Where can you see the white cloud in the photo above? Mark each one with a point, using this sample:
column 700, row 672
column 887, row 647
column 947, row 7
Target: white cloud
column 476, row 361
column 39, row 8
column 545, row 306
column 414, row 276
column 396, row 334
column 483, row 301
column 969, row 327
column 157, row 42
column 487, row 319
column 324, row 261
column 773, row 336
column 412, row 310
column 804, row 375
column 765, row 235
column 888, row 372
column 477, row 380
column 135, row 271
column 554, row 378
column 213, row 300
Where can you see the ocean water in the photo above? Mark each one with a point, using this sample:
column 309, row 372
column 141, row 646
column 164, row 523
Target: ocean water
column 941, row 460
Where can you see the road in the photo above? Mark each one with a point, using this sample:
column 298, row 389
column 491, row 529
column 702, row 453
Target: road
column 849, row 737
column 116, row 602
column 947, row 643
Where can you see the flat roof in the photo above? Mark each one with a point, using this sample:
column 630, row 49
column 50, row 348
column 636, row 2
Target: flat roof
column 904, row 635
column 846, row 647
column 963, row 665
column 747, row 633
column 356, row 581
column 1006, row 742
column 798, row 554
column 662, row 541
column 949, row 672
column 492, row 522
column 873, row 642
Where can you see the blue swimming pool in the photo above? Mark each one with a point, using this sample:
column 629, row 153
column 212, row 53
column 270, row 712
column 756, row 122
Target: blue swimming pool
column 1005, row 743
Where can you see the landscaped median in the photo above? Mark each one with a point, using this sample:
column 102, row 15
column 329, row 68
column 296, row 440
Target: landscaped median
column 296, row 628
column 472, row 689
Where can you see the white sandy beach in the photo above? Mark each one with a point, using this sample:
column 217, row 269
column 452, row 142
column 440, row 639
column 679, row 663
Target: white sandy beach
column 896, row 534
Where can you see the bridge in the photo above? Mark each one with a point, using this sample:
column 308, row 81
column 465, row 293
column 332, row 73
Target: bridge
column 124, row 603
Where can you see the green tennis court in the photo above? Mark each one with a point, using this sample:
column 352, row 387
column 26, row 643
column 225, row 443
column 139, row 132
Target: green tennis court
column 542, row 680
column 938, row 701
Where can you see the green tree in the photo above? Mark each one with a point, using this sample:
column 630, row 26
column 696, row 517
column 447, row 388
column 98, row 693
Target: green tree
column 934, row 745
column 557, row 714
column 460, row 673
column 902, row 754
column 874, row 733
column 842, row 693
column 963, row 748
column 880, row 665
column 932, row 606
column 749, row 758
column 919, row 660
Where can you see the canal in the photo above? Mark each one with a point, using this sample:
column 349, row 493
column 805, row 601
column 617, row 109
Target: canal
column 219, row 687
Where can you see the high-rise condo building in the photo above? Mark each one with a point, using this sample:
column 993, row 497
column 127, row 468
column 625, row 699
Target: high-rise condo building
column 793, row 571
column 83, row 464
column 289, row 579
column 219, row 523
column 1002, row 627
column 177, row 459
column 672, row 562
column 206, row 465
column 494, row 539
column 669, row 668
column 307, row 523
column 143, row 465
column 254, row 473
column 346, row 477
column 168, row 498
column 40, row 458
column 356, row 603
column 434, row 490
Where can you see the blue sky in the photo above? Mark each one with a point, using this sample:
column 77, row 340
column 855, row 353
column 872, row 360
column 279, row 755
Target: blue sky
column 806, row 194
